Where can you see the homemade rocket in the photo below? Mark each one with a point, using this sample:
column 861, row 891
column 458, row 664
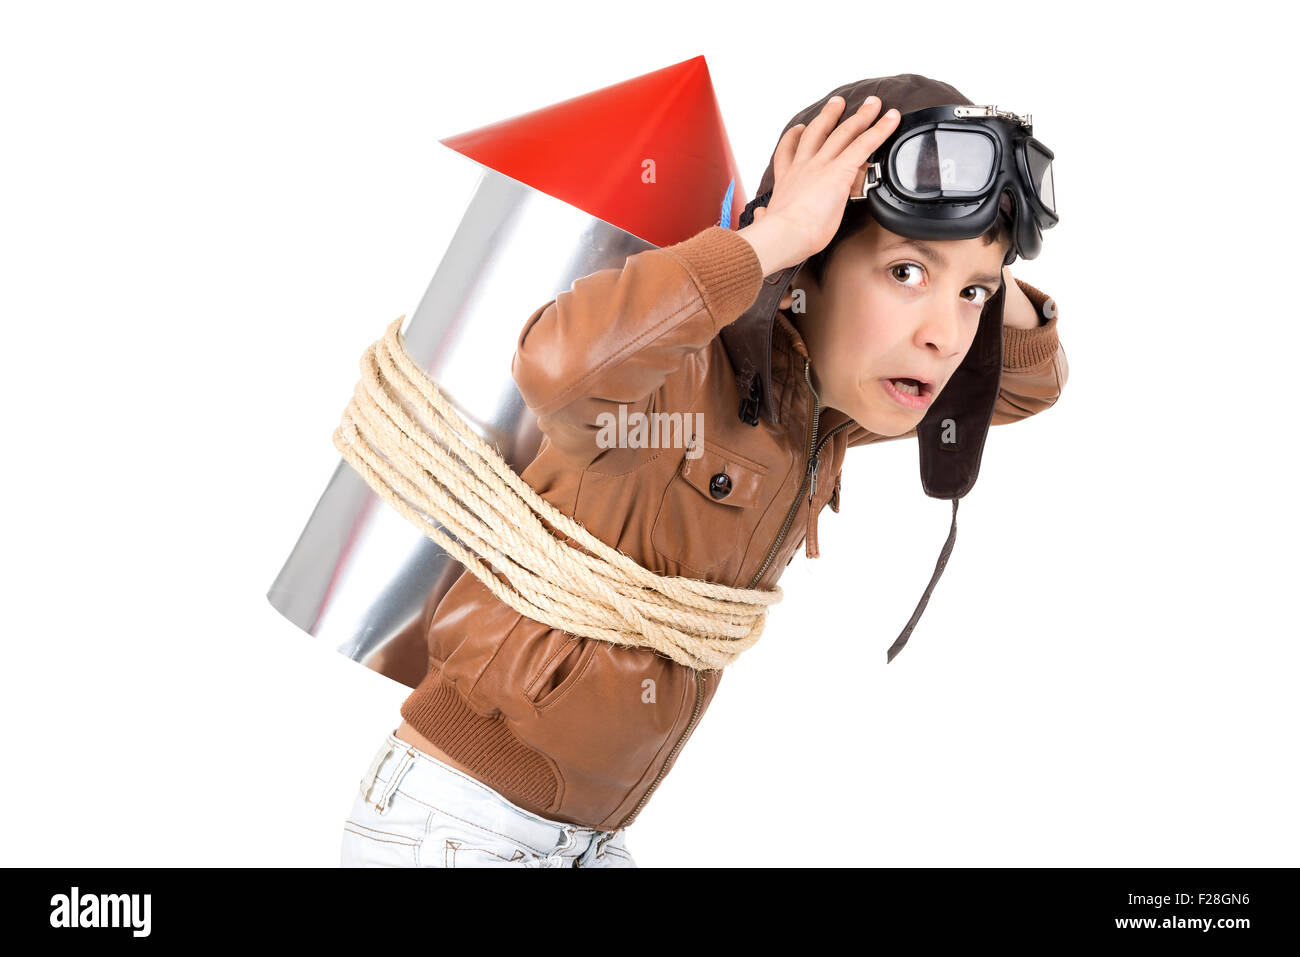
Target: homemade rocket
column 563, row 191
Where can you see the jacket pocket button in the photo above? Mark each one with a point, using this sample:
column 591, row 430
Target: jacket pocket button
column 720, row 485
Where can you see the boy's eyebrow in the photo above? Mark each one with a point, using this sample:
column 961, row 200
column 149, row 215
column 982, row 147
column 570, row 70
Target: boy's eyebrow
column 929, row 252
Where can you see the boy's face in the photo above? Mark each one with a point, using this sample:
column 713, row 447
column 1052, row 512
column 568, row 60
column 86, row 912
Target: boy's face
column 886, row 308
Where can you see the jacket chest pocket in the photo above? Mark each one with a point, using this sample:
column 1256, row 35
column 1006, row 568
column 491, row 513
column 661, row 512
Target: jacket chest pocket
column 709, row 509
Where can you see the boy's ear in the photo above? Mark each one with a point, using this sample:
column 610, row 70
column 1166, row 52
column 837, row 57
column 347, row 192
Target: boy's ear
column 800, row 280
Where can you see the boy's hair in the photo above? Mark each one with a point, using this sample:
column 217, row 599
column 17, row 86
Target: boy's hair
column 857, row 217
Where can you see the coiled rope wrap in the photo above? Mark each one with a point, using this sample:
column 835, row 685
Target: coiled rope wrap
column 591, row 590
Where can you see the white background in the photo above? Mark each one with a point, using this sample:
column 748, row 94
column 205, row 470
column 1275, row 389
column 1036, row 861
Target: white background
column 210, row 210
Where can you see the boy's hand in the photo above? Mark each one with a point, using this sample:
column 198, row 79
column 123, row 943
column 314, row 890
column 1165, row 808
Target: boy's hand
column 1017, row 311
column 814, row 167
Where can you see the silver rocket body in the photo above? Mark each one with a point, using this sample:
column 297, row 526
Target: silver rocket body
column 361, row 577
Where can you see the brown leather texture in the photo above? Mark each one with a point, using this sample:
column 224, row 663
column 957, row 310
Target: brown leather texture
column 581, row 730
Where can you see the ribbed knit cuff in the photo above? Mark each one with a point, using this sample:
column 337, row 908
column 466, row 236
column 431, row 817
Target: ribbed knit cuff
column 726, row 270
column 1025, row 348
column 485, row 745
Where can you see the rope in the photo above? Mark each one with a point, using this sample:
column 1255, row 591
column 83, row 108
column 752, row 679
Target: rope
column 464, row 486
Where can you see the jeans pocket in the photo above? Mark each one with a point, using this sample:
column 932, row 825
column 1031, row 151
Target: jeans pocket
column 611, row 852
column 390, row 839
column 450, row 841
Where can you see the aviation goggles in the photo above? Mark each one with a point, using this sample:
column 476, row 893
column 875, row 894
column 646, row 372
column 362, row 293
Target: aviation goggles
column 943, row 172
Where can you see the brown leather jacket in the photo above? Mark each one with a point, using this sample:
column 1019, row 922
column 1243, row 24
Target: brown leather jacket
column 581, row 730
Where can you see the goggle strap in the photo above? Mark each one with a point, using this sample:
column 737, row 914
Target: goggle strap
column 872, row 180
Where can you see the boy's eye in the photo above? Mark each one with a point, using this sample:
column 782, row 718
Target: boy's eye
column 982, row 293
column 894, row 270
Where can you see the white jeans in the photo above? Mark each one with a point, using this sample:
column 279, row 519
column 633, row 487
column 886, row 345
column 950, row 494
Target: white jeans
column 415, row 811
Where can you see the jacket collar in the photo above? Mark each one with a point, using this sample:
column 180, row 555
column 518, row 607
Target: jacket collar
column 791, row 348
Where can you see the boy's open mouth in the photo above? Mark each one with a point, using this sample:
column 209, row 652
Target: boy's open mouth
column 912, row 386
column 908, row 391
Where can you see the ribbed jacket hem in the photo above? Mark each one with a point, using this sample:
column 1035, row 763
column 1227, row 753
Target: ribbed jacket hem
column 725, row 269
column 485, row 745
column 1024, row 348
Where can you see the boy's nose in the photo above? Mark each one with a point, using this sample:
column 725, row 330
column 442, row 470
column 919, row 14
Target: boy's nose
column 942, row 329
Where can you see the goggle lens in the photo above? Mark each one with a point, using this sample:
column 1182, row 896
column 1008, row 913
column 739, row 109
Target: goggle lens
column 934, row 161
column 1040, row 174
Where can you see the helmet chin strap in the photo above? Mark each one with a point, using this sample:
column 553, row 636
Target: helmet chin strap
column 901, row 640
column 1008, row 205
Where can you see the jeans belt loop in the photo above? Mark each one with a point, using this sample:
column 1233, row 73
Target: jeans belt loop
column 404, row 765
column 368, row 781
column 601, row 843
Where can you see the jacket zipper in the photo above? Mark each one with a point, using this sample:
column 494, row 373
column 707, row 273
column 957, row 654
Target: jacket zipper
column 695, row 716
column 810, row 472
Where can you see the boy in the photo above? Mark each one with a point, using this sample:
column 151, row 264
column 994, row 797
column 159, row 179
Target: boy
column 527, row 746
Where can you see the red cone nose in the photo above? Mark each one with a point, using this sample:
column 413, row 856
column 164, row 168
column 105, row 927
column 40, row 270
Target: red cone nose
column 649, row 155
